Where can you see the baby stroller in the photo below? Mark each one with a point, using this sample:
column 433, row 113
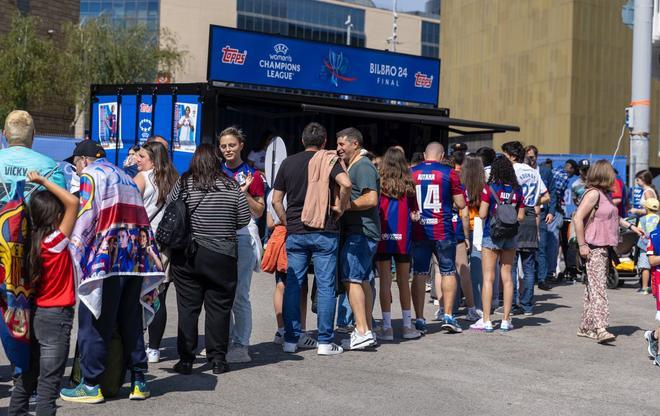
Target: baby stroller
column 626, row 268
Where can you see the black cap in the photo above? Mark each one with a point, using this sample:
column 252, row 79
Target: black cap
column 458, row 147
column 584, row 164
column 88, row 148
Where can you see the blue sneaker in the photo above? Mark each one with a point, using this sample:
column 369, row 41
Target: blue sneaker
column 83, row 394
column 451, row 325
column 420, row 325
column 651, row 344
column 139, row 391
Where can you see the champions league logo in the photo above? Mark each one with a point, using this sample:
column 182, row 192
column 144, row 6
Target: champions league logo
column 281, row 49
column 336, row 67
column 145, row 127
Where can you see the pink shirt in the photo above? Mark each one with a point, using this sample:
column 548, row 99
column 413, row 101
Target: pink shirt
column 603, row 230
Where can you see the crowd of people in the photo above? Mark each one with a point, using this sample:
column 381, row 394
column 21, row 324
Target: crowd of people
column 455, row 224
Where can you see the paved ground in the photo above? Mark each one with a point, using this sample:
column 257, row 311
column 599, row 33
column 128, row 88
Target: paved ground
column 541, row 368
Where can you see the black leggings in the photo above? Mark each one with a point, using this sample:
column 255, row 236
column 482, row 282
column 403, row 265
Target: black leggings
column 157, row 326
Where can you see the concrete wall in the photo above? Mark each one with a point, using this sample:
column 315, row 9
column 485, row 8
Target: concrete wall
column 509, row 61
column 560, row 69
column 378, row 27
column 190, row 22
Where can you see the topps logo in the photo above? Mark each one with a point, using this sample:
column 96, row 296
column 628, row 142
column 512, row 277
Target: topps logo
column 145, row 108
column 428, row 221
column 423, row 80
column 233, row 56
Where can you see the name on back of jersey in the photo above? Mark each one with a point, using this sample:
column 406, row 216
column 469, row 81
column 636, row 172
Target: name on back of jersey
column 428, row 221
column 426, row 176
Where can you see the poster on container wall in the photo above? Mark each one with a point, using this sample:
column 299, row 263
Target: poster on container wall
column 180, row 125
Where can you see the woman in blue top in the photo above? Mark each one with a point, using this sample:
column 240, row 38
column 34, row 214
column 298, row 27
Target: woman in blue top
column 503, row 183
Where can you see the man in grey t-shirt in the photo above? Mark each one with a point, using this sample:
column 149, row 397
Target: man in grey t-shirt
column 361, row 233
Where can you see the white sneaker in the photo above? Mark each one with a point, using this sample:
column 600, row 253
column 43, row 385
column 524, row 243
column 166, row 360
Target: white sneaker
column 307, row 342
column 153, row 355
column 238, row 354
column 279, row 338
column 362, row 341
column 329, row 349
column 482, row 325
column 385, row 334
column 290, row 347
column 202, row 353
column 411, row 333
column 506, row 326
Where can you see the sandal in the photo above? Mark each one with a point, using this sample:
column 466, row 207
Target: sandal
column 586, row 333
column 603, row 336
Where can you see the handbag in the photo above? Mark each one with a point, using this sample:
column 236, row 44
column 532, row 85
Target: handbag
column 174, row 230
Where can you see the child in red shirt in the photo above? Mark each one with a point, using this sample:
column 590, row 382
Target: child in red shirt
column 52, row 217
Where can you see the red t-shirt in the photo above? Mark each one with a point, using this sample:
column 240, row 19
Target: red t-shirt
column 56, row 283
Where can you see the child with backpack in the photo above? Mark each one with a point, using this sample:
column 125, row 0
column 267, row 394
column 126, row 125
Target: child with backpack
column 52, row 216
column 501, row 209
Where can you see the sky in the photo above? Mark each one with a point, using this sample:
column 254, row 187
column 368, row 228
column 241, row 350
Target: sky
column 403, row 5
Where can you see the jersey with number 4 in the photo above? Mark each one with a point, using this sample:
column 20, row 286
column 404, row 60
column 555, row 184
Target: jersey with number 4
column 436, row 185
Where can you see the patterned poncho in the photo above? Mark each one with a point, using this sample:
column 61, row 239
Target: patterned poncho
column 112, row 237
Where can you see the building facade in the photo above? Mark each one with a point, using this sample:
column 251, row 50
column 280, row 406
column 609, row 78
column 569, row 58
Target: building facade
column 320, row 20
column 123, row 12
column 50, row 118
column 561, row 70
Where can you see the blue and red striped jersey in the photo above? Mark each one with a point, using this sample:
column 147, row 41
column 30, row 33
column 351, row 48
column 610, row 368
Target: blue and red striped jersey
column 436, row 185
column 396, row 224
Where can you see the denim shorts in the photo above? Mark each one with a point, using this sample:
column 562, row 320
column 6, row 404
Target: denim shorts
column 356, row 258
column 444, row 251
column 643, row 261
column 491, row 244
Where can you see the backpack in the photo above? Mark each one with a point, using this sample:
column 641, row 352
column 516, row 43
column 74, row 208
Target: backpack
column 504, row 224
column 174, row 231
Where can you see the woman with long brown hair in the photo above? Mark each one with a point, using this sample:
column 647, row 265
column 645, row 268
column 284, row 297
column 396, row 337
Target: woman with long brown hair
column 597, row 225
column 473, row 180
column 398, row 208
column 206, row 272
column 155, row 179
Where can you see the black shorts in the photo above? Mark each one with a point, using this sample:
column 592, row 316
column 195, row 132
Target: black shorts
column 398, row 257
column 280, row 277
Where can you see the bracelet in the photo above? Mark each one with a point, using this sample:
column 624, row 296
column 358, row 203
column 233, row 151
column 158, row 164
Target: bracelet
column 582, row 245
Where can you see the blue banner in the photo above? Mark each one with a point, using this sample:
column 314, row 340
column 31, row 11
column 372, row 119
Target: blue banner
column 278, row 61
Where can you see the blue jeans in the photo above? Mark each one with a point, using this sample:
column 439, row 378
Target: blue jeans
column 344, row 311
column 476, row 275
column 50, row 349
column 528, row 259
column 321, row 248
column 548, row 248
column 241, row 312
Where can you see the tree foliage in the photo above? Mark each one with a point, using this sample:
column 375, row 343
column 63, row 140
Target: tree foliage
column 96, row 52
column 35, row 69
column 28, row 64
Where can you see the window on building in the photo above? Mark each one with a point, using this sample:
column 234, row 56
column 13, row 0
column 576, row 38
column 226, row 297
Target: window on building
column 123, row 13
column 310, row 20
column 430, row 39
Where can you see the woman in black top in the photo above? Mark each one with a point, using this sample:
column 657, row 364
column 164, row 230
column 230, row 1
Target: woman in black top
column 207, row 272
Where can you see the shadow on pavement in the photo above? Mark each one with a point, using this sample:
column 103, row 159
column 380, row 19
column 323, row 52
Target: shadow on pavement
column 267, row 353
column 624, row 330
column 197, row 381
